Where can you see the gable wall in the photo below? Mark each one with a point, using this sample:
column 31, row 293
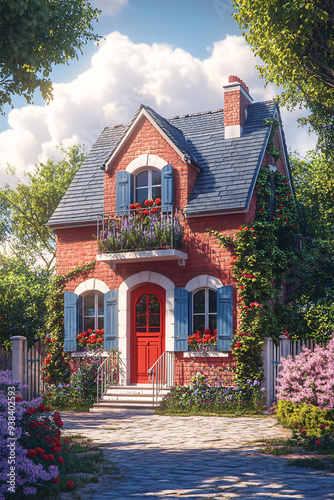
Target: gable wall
column 145, row 139
column 268, row 159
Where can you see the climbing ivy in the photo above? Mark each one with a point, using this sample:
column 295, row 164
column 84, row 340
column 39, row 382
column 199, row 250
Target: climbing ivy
column 263, row 265
column 56, row 363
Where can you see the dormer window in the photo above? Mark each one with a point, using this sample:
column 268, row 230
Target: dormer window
column 147, row 186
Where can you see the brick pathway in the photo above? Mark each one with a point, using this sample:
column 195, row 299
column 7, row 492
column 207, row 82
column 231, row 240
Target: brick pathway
column 195, row 458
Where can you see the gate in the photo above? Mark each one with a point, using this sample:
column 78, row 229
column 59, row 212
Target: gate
column 5, row 360
column 34, row 358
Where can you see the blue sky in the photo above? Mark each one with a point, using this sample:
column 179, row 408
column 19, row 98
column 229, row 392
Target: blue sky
column 174, row 56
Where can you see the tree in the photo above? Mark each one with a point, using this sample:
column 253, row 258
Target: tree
column 26, row 208
column 23, row 294
column 314, row 294
column 35, row 35
column 295, row 40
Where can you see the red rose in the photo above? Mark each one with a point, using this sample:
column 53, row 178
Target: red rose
column 67, row 441
column 70, row 484
column 132, row 206
column 45, row 457
column 157, row 201
column 18, row 399
column 147, row 203
column 317, row 443
column 146, row 212
column 55, row 480
column 31, row 453
column 51, row 458
column 323, row 426
column 303, row 432
column 39, row 451
column 60, row 460
column 154, row 210
column 238, row 344
column 261, row 210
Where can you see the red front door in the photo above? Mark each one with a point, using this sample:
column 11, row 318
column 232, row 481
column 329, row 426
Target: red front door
column 147, row 330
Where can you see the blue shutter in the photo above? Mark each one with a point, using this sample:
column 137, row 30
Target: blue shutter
column 167, row 187
column 124, row 191
column 111, row 320
column 181, row 319
column 71, row 321
column 224, row 318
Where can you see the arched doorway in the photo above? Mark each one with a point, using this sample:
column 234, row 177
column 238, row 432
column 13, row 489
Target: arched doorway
column 147, row 329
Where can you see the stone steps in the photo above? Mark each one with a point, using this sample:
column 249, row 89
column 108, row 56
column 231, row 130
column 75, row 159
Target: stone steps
column 130, row 398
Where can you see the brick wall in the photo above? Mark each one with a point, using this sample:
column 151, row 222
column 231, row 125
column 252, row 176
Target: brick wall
column 185, row 368
column 145, row 139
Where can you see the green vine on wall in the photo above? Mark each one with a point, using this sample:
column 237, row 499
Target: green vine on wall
column 263, row 264
column 56, row 363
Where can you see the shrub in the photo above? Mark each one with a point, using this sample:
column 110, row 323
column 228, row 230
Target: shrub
column 80, row 393
column 305, row 416
column 29, row 443
column 208, row 395
column 309, row 378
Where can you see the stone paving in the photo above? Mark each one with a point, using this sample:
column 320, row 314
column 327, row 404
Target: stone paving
column 195, row 458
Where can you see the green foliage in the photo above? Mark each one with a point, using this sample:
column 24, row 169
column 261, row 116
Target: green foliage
column 295, row 41
column 57, row 367
column 80, row 393
column 307, row 417
column 35, row 35
column 314, row 293
column 26, row 208
column 265, row 257
column 208, row 393
column 23, row 294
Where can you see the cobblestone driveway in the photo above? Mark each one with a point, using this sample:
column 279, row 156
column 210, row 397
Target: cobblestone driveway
column 195, row 458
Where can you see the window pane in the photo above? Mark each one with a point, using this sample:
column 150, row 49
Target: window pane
column 141, row 307
column 142, row 179
column 142, row 298
column 156, row 178
column 141, row 195
column 100, row 322
column 199, row 301
column 154, row 307
column 89, row 323
column 212, row 301
column 156, row 193
column 100, row 304
column 199, row 322
column 141, row 320
column 212, row 321
column 89, row 304
column 154, row 320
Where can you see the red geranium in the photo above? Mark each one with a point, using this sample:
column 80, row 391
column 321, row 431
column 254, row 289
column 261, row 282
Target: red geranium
column 60, row 460
column 70, row 484
column 157, row 201
column 317, row 443
column 55, row 480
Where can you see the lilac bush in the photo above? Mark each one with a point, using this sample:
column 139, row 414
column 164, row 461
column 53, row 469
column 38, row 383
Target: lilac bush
column 309, row 378
column 19, row 475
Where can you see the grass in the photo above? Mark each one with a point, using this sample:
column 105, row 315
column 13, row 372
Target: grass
column 282, row 446
column 84, row 466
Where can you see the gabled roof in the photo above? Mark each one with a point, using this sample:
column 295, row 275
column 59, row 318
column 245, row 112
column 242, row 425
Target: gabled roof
column 228, row 168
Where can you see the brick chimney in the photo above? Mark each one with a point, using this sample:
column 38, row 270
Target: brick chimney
column 236, row 100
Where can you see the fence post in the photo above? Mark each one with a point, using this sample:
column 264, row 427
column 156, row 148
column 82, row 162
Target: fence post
column 267, row 370
column 18, row 358
column 285, row 346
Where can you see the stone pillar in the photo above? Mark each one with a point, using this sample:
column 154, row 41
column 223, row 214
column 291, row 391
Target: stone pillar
column 18, row 358
column 268, row 371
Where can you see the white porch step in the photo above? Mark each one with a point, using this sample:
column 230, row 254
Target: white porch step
column 129, row 398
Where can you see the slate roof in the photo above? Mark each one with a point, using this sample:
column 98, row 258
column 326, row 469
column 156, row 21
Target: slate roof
column 228, row 167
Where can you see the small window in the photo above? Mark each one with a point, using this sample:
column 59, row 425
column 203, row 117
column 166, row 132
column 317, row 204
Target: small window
column 93, row 311
column 204, row 309
column 147, row 186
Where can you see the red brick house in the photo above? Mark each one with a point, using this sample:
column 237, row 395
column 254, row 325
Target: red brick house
column 156, row 282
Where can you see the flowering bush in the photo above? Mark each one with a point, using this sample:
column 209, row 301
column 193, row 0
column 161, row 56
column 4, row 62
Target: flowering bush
column 309, row 378
column 322, row 443
column 143, row 229
column 308, row 417
column 92, row 340
column 210, row 394
column 31, row 450
column 80, row 393
column 202, row 338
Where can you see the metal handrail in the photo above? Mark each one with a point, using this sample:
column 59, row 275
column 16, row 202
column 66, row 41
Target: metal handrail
column 161, row 374
column 107, row 374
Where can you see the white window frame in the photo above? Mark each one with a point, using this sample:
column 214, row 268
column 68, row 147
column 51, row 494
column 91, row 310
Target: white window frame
column 96, row 309
column 206, row 313
column 150, row 171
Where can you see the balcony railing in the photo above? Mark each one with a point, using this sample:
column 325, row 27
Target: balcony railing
column 141, row 229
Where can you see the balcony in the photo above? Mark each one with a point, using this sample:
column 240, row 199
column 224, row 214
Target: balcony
column 141, row 234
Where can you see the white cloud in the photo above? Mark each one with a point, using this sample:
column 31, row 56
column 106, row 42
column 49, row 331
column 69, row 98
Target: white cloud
column 121, row 76
column 109, row 7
